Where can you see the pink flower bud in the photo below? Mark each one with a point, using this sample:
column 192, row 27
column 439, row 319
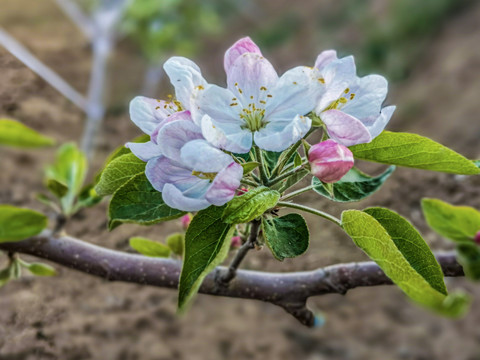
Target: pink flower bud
column 186, row 219
column 330, row 161
column 236, row 241
column 477, row 238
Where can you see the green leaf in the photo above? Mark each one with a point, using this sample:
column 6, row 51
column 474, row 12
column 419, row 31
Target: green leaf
column 206, row 245
column 287, row 183
column 458, row 223
column 69, row 169
column 118, row 172
column 468, row 255
column 477, row 163
column 245, row 208
column 354, row 186
column 57, row 188
column 412, row 246
column 286, row 236
column 148, row 247
column 271, row 158
column 18, row 224
column 249, row 167
column 412, row 150
column 14, row 133
column 401, row 253
column 40, row 269
column 119, row 151
column 4, row 276
column 138, row 202
column 175, row 242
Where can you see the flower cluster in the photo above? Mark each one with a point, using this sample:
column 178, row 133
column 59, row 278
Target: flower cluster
column 193, row 136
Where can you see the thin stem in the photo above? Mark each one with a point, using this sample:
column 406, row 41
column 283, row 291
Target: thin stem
column 285, row 175
column 311, row 211
column 248, row 182
column 278, row 168
column 289, row 154
column 242, row 252
column 296, row 193
column 263, row 174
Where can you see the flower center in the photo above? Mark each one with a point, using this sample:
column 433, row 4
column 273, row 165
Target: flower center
column 204, row 176
column 254, row 114
column 341, row 101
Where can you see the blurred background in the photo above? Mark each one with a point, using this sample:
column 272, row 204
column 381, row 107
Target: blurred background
column 429, row 52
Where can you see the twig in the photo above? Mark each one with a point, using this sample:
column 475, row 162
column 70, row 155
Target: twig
column 288, row 290
column 47, row 74
column 75, row 13
column 226, row 277
column 296, row 193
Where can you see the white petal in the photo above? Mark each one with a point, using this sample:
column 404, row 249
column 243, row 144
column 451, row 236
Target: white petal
column 337, row 75
column 199, row 155
column 279, row 135
column 227, row 135
column 161, row 171
column 370, row 92
column 296, row 93
column 177, row 200
column 325, row 58
column 174, row 135
column 144, row 151
column 381, row 121
column 148, row 113
column 186, row 78
column 249, row 75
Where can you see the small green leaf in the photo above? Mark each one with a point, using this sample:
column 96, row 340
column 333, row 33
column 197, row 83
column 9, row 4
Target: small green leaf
column 69, row 169
column 401, row 253
column 271, row 159
column 57, row 188
column 118, row 172
column 354, row 186
column 245, row 208
column 297, row 160
column 287, row 183
column 40, row 269
column 206, row 245
column 148, row 247
column 458, row 223
column 249, row 167
column 138, row 202
column 412, row 150
column 477, row 163
column 18, row 224
column 175, row 242
column 286, row 236
column 468, row 255
column 14, row 133
column 4, row 276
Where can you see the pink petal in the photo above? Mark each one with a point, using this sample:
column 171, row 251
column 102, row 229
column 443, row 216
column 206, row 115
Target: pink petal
column 225, row 184
column 330, row 161
column 242, row 46
column 345, row 129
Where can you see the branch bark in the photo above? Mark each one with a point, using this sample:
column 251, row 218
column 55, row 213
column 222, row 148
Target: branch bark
column 288, row 290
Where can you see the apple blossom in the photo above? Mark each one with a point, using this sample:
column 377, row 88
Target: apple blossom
column 351, row 107
column 257, row 105
column 330, row 161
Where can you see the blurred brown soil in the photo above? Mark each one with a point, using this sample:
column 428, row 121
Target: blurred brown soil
column 76, row 316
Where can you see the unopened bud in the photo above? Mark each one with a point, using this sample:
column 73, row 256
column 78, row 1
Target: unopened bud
column 186, row 219
column 477, row 238
column 330, row 161
column 236, row 241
